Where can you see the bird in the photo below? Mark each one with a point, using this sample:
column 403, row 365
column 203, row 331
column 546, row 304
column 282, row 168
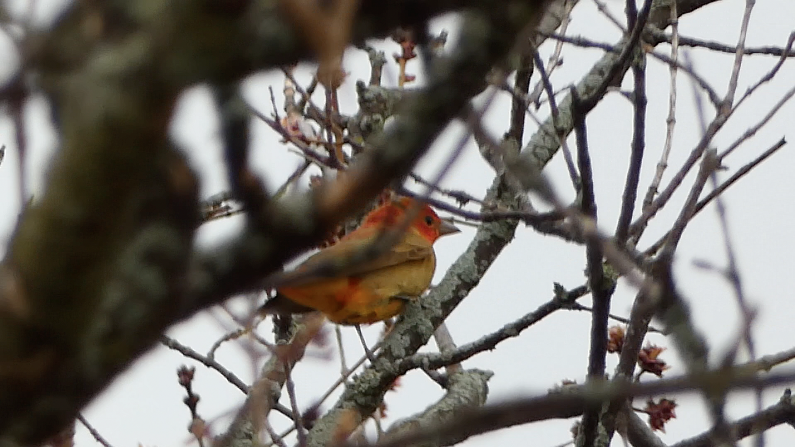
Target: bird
column 376, row 289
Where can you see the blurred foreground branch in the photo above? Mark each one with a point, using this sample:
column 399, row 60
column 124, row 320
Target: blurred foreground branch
column 102, row 263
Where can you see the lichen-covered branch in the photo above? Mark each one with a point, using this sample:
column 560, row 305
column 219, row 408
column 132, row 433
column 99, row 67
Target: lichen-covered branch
column 466, row 390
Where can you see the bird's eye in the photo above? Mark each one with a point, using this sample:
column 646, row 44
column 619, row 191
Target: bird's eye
column 429, row 220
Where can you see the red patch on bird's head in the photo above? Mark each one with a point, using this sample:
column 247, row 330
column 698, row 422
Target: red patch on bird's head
column 426, row 221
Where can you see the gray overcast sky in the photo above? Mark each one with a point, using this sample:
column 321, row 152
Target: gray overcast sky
column 145, row 404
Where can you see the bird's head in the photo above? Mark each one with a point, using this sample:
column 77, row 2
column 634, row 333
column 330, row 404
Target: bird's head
column 426, row 222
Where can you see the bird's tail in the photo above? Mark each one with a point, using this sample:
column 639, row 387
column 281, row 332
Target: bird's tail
column 281, row 305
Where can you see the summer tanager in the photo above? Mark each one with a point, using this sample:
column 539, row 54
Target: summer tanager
column 375, row 290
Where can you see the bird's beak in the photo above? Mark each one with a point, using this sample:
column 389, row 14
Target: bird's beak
column 447, row 227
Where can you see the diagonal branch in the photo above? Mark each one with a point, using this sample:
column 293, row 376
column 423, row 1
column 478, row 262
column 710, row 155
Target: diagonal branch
column 467, row 389
column 781, row 413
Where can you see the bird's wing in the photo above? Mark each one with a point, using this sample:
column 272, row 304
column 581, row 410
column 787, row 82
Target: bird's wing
column 411, row 247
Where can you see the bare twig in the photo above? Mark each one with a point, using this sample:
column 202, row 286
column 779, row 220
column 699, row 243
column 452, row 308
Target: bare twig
column 289, row 385
column 589, row 102
column 781, row 413
column 197, row 427
column 589, row 43
column 206, row 361
column 708, row 165
column 554, row 113
column 671, row 119
column 638, row 145
column 773, row 71
column 618, row 318
column 751, row 131
column 233, row 335
column 488, row 342
column 555, row 59
column 661, row 36
column 602, row 7
column 445, row 343
column 733, row 275
column 738, row 55
column 94, row 433
column 655, row 247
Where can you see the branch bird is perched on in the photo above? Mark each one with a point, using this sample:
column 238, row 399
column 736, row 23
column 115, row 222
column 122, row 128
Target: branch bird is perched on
column 377, row 289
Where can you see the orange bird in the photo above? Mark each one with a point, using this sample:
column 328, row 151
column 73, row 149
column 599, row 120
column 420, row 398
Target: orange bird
column 377, row 289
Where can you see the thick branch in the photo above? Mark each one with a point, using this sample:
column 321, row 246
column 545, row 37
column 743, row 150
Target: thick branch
column 466, row 390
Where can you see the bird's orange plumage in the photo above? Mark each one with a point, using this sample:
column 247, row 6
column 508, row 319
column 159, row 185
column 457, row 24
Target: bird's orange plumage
column 375, row 290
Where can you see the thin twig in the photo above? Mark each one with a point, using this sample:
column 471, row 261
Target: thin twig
column 289, row 385
column 445, row 343
column 629, row 49
column 757, row 423
column 589, row 43
column 488, row 342
column 518, row 106
column 719, row 190
column 555, row 113
column 739, row 54
column 733, row 274
column 345, row 375
column 658, row 36
column 602, row 7
column 299, row 171
column 751, row 131
column 670, row 121
column 554, row 60
column 773, row 71
column 362, row 340
column 234, row 335
column 275, row 438
column 206, row 361
column 700, row 81
column 708, row 165
column 94, row 433
column 638, row 145
column 580, row 307
column 461, row 197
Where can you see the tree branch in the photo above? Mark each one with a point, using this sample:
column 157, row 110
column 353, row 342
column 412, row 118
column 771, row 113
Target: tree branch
column 573, row 400
column 781, row 413
column 467, row 390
